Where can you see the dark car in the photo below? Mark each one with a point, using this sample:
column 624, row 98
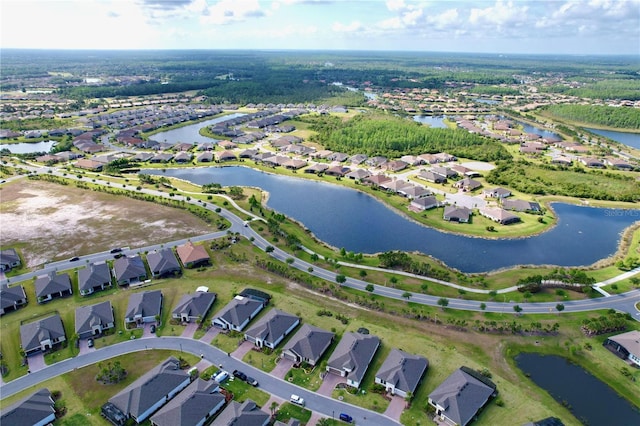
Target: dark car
column 239, row 374
column 346, row 418
column 116, row 250
column 118, row 256
column 90, row 343
column 74, row 259
column 251, row 381
column 153, row 328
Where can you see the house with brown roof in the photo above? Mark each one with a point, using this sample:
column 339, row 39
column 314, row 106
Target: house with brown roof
column 338, row 171
column 467, row 184
column 395, row 165
column 377, row 180
column 192, row 256
column 626, row 346
column 499, row 215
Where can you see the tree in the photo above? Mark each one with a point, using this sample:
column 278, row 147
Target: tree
column 269, row 249
column 407, row 295
column 341, row 279
column 443, row 302
column 273, row 407
column 369, row 288
column 560, row 307
column 517, row 309
column 362, row 273
column 483, row 306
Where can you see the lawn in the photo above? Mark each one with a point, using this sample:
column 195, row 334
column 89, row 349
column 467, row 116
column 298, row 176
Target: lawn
column 291, row 411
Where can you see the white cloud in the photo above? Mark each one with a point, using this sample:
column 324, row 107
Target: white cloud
column 394, row 5
column 228, row 11
column 354, row 26
column 500, row 14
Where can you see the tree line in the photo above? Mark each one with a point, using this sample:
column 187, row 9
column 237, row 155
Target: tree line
column 620, row 117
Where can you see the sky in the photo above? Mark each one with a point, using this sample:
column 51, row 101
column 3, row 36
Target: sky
column 576, row 27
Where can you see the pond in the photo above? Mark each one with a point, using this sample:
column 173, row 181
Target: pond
column 626, row 138
column 486, row 101
column 190, row 134
column 536, row 130
column 436, row 121
column 28, row 148
column 344, row 217
column 590, row 400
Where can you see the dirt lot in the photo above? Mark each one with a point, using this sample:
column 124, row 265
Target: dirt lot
column 48, row 221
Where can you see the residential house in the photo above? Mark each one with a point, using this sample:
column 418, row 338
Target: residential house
column 431, row 176
column 146, row 395
column 11, row 298
column 192, row 256
column 194, row 406
column 395, row 186
column 500, row 215
column 338, row 171
column 618, row 163
column 377, row 161
column 308, row 345
column 271, row 329
column 414, row 191
column 592, row 162
column 143, row 307
column 194, row 307
column 401, row 372
column 129, row 270
column 626, row 346
column 424, row 203
column 52, row 285
column 395, row 165
column 246, row 413
column 316, row 168
column 205, row 157
column 358, row 174
column 95, row 277
column 377, row 180
column 499, row 193
column 35, row 410
column 521, row 206
column 561, row 160
column 42, row 335
column 456, row 214
column 461, row 396
column 183, row 157
column 352, row 356
column 237, row 313
column 93, row 320
column 9, row 259
column 226, row 156
column 163, row 263
column 444, row 171
column 358, row 159
column 467, row 184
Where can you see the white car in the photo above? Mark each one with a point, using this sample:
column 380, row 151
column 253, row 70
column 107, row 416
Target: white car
column 298, row 400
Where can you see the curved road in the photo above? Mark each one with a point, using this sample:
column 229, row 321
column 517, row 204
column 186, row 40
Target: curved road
column 322, row 404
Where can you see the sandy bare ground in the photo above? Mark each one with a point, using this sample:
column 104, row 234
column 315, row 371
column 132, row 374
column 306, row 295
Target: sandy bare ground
column 47, row 221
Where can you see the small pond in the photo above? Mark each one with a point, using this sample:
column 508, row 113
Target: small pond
column 191, row 133
column 625, row 138
column 436, row 121
column 28, row 148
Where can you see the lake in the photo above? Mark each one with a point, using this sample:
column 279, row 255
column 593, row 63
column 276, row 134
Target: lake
column 590, row 400
column 344, row 217
column 542, row 132
column 28, row 148
column 629, row 139
column 436, row 121
column 190, row 134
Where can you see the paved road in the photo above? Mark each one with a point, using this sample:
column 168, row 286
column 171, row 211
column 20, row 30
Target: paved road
column 273, row 385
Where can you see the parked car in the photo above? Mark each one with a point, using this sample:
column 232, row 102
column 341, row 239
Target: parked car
column 298, row 400
column 74, row 259
column 221, row 376
column 346, row 418
column 239, row 374
column 118, row 256
column 153, row 328
column 116, row 250
column 90, row 342
column 251, row 381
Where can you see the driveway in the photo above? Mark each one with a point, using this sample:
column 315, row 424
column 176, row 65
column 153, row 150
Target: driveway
column 36, row 362
column 395, row 408
column 329, row 384
column 210, row 335
column 84, row 347
column 190, row 330
column 282, row 367
column 146, row 330
column 242, row 350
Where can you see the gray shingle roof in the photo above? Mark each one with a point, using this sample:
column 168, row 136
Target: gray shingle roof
column 238, row 310
column 33, row 333
column 462, row 396
column 92, row 315
column 273, row 325
column 196, row 304
column 403, row 370
column 354, row 352
column 190, row 406
column 31, row 410
column 94, row 275
column 147, row 304
column 245, row 414
column 51, row 284
column 309, row 342
column 162, row 261
column 142, row 394
column 127, row 268
column 9, row 296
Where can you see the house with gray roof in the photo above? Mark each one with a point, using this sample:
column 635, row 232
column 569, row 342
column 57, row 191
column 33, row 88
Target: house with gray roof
column 194, row 406
column 272, row 328
column 245, row 414
column 193, row 307
column 143, row 307
column 129, row 270
column 52, row 285
column 35, row 410
column 461, row 396
column 456, row 214
column 146, row 395
column 431, row 176
column 467, row 184
column 521, row 206
column 499, row 215
column 626, row 346
column 9, row 259
column 424, row 203
column 308, row 345
column 352, row 356
column 237, row 313
column 11, row 298
column 93, row 320
column 95, row 277
column 401, row 372
column 163, row 263
column 42, row 335
column 358, row 174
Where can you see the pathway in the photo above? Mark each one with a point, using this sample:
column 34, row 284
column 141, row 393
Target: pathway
column 329, row 383
column 210, row 335
column 282, row 367
column 190, row 330
column 242, row 350
column 395, row 408
column 36, row 362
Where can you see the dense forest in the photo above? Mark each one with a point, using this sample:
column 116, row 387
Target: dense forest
column 394, row 137
column 574, row 182
column 619, row 117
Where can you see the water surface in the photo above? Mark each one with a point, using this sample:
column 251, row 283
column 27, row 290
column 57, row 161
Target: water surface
column 190, row 134
column 28, row 148
column 626, row 138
